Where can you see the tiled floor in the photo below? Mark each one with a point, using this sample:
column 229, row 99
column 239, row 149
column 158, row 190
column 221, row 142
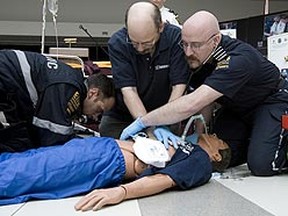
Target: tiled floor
column 271, row 193
column 233, row 193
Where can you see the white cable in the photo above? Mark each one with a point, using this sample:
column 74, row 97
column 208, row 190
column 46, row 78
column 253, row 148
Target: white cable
column 192, row 118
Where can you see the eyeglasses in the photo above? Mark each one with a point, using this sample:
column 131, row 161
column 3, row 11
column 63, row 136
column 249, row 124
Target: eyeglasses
column 194, row 45
column 145, row 45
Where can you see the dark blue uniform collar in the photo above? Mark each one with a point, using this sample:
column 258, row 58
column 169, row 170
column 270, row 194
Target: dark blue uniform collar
column 162, row 43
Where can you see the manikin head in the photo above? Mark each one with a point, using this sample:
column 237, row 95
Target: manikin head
column 218, row 151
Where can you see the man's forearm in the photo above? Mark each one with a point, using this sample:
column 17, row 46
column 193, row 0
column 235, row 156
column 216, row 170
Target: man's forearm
column 182, row 107
column 177, row 91
column 133, row 102
column 171, row 113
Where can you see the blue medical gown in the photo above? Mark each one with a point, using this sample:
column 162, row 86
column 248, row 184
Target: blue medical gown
column 79, row 166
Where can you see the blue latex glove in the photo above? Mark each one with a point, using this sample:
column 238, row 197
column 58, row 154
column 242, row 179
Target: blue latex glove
column 164, row 135
column 132, row 129
column 193, row 138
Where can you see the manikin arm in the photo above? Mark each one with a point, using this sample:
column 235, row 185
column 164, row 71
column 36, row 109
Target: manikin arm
column 100, row 197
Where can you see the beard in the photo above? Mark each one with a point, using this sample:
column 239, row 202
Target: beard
column 193, row 62
column 146, row 51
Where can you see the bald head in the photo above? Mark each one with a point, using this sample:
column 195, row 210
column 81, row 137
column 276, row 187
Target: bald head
column 201, row 35
column 202, row 23
column 143, row 16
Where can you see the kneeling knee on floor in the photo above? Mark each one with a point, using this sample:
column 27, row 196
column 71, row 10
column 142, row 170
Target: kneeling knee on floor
column 260, row 168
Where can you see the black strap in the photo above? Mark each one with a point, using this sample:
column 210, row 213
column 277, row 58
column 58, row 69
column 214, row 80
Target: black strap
column 189, row 79
column 216, row 55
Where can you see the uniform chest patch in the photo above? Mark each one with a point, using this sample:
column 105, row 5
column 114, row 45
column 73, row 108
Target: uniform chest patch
column 74, row 103
column 161, row 67
column 223, row 64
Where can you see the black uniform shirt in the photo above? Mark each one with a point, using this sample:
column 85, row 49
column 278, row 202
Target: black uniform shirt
column 47, row 93
column 153, row 76
column 245, row 77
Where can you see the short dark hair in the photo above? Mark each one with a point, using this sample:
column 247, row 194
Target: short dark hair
column 103, row 83
column 220, row 166
column 156, row 15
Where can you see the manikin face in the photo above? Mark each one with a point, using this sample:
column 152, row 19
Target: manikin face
column 95, row 104
column 212, row 148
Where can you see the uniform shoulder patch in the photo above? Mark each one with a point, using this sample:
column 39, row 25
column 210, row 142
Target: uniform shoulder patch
column 223, row 64
column 73, row 104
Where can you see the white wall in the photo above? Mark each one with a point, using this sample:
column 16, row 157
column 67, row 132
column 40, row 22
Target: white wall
column 28, row 28
column 103, row 18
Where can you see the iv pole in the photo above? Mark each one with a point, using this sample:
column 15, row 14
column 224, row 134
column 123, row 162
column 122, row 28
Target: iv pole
column 43, row 25
column 53, row 8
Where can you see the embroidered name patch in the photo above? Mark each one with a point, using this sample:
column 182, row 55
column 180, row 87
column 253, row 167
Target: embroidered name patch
column 161, row 67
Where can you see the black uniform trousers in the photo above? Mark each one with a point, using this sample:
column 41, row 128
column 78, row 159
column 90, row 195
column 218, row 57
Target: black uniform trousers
column 15, row 133
column 257, row 138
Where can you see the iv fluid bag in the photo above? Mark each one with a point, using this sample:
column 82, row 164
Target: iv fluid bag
column 53, row 7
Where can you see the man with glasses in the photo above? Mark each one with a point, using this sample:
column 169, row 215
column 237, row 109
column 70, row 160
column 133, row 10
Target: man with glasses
column 148, row 66
column 249, row 88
